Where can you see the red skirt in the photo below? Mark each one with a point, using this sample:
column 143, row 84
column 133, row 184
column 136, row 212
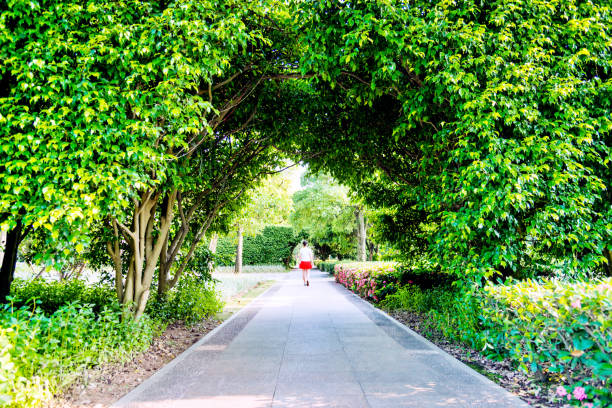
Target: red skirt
column 305, row 265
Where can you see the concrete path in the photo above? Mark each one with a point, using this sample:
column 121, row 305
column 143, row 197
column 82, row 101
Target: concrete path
column 317, row 346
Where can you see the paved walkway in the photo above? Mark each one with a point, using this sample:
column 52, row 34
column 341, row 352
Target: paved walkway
column 317, row 346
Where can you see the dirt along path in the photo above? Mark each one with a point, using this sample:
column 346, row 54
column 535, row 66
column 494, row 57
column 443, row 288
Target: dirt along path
column 101, row 386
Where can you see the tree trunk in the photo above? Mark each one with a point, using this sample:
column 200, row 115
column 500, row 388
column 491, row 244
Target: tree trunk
column 370, row 246
column 9, row 260
column 169, row 256
column 361, row 236
column 212, row 246
column 144, row 252
column 238, row 266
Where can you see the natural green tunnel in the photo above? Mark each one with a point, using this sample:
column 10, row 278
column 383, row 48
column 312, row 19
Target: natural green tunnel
column 131, row 129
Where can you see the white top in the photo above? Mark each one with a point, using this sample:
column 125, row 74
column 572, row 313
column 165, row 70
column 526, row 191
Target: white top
column 306, row 254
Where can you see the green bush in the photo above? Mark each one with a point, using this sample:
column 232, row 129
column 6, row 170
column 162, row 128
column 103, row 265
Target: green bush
column 327, row 266
column 16, row 390
column 273, row 246
column 43, row 354
column 52, row 295
column 202, row 263
column 554, row 326
column 561, row 329
column 451, row 312
column 191, row 300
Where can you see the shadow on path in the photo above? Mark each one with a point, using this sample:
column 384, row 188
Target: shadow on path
column 317, row 346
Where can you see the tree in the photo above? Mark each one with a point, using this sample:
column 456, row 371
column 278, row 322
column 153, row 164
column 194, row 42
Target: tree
column 489, row 119
column 268, row 204
column 166, row 83
column 481, row 128
column 60, row 171
column 324, row 210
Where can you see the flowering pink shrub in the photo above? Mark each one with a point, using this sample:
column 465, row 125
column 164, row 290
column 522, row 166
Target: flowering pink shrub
column 370, row 280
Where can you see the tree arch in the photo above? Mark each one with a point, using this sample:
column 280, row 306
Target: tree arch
column 483, row 126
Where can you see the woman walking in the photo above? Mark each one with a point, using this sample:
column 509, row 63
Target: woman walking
column 306, row 261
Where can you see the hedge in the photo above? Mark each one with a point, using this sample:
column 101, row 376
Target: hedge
column 555, row 326
column 273, row 246
column 328, row 266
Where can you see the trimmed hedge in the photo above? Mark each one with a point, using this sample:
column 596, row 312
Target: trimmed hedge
column 555, row 327
column 327, row 266
column 273, row 246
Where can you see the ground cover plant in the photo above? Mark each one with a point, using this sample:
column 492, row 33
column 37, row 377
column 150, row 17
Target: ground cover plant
column 49, row 296
column 52, row 331
column 43, row 354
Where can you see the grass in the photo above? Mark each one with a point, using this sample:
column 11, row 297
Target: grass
column 239, row 301
column 229, row 284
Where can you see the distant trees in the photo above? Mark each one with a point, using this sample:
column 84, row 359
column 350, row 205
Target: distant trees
column 267, row 204
column 336, row 224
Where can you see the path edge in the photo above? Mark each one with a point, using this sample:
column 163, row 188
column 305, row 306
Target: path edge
column 133, row 394
column 452, row 360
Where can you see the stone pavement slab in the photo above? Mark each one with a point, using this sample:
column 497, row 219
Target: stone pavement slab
column 317, row 346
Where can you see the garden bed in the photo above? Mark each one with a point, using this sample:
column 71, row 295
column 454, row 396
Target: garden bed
column 103, row 385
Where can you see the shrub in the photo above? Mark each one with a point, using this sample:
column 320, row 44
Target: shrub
column 203, row 262
column 554, row 326
column 226, row 251
column 15, row 390
column 43, row 354
column 370, row 280
column 327, row 266
column 52, row 295
column 191, row 300
column 452, row 312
